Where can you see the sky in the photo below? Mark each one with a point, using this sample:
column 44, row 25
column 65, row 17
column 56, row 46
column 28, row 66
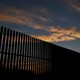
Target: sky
column 54, row 21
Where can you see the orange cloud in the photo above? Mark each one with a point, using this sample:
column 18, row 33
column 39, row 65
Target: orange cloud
column 62, row 30
column 60, row 34
column 55, row 38
column 43, row 18
column 16, row 17
column 29, row 18
column 37, row 26
column 23, row 17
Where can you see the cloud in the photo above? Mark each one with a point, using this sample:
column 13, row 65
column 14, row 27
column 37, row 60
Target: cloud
column 76, row 7
column 43, row 19
column 16, row 16
column 60, row 34
column 29, row 17
column 74, row 4
column 38, row 18
column 62, row 19
column 57, row 38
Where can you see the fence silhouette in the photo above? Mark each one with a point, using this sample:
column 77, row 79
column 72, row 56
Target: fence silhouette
column 19, row 51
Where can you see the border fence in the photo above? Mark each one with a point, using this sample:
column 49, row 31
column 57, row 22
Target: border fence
column 19, row 51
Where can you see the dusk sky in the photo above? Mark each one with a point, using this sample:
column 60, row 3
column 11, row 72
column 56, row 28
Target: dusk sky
column 55, row 21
